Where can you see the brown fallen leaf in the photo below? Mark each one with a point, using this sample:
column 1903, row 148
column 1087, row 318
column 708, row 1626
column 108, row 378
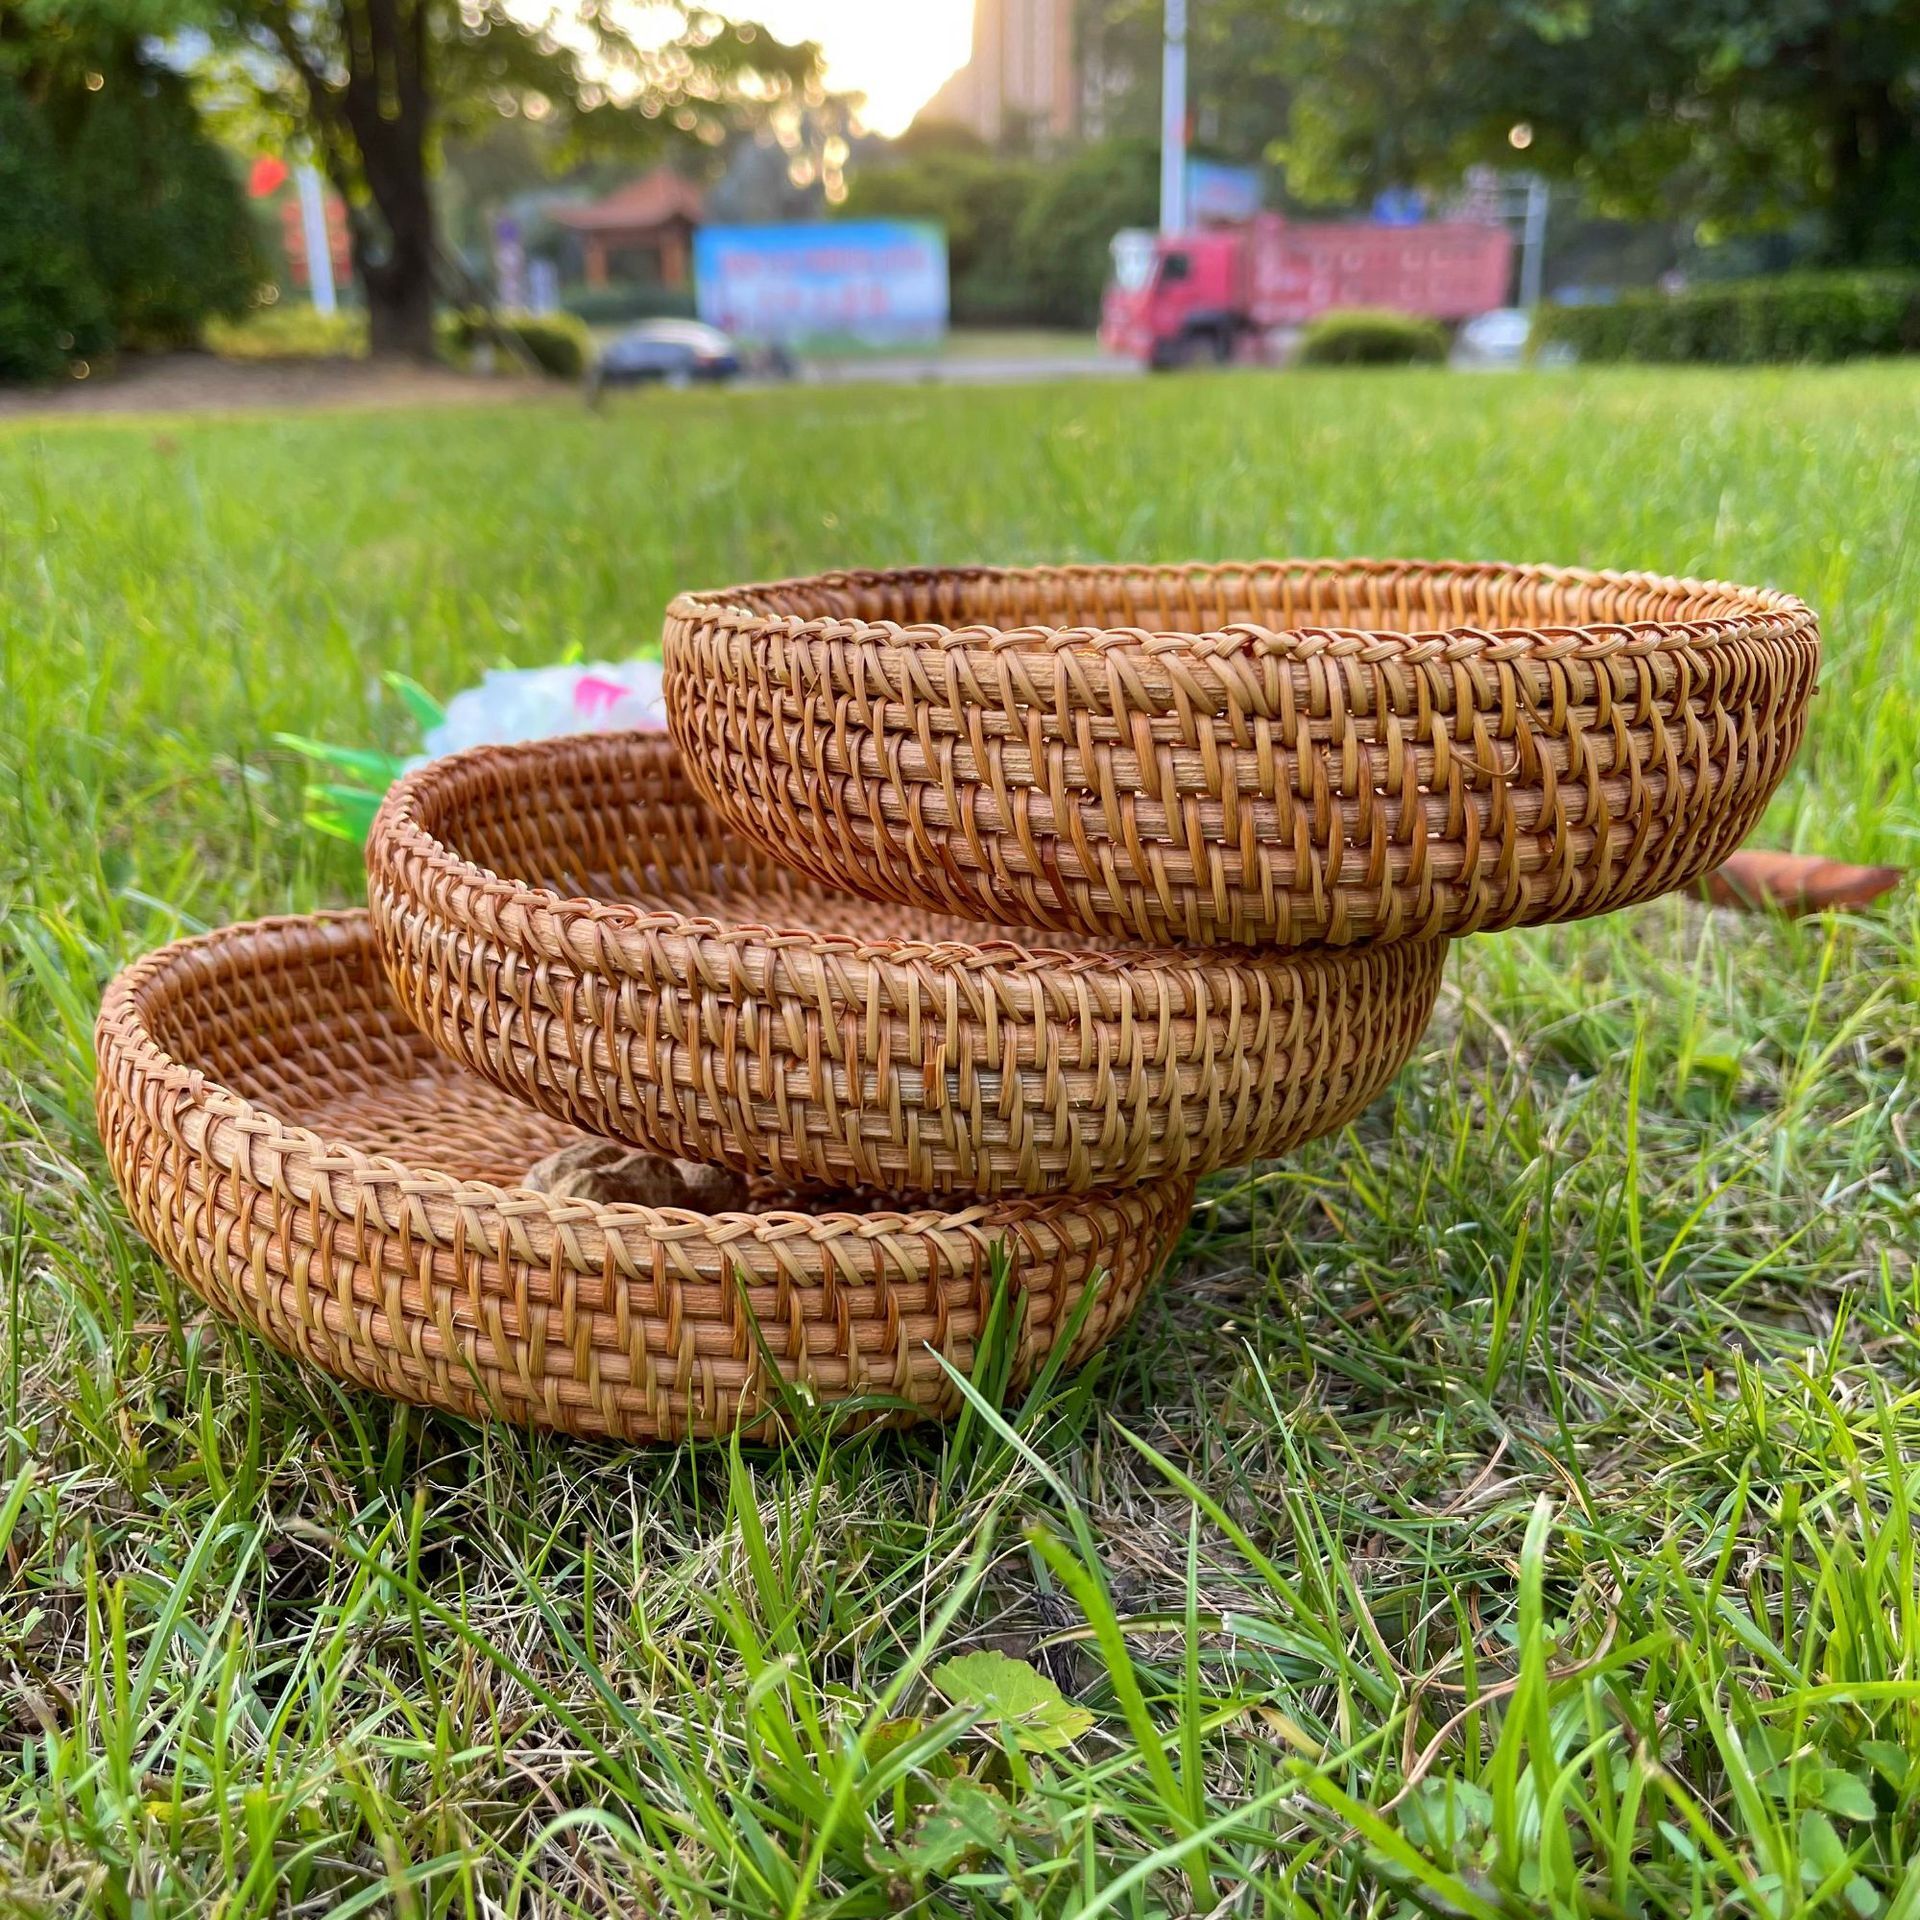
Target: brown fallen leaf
column 1762, row 881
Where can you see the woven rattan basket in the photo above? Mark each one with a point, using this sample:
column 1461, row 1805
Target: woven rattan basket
column 569, row 919
column 303, row 1158
column 1290, row 751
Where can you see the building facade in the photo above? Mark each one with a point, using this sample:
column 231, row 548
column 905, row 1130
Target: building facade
column 1020, row 82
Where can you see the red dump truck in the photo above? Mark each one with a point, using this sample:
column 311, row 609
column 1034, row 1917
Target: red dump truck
column 1184, row 299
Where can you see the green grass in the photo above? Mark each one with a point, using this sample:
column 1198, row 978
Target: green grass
column 1508, row 1507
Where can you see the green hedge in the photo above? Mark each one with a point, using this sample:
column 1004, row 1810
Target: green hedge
column 1372, row 337
column 1802, row 316
column 557, row 343
column 610, row 306
column 52, row 311
column 157, row 207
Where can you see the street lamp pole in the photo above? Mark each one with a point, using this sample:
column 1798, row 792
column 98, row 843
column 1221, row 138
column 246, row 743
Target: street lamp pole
column 1173, row 120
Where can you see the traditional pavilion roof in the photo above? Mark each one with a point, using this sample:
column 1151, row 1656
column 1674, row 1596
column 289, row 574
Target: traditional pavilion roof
column 650, row 201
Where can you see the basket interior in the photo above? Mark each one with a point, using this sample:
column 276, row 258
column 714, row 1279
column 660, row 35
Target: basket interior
column 614, row 817
column 1281, row 595
column 296, row 1019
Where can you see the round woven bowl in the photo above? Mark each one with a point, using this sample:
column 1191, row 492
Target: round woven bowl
column 1293, row 751
column 571, row 920
column 308, row 1163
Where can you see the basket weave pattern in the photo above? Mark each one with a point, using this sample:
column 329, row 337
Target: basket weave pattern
column 1289, row 752
column 300, row 1154
column 568, row 919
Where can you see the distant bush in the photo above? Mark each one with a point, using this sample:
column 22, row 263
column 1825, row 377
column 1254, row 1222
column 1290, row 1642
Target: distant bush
column 160, row 214
column 52, row 312
column 610, row 306
column 1027, row 240
column 1062, row 245
column 978, row 198
column 1796, row 317
column 1372, row 337
column 290, row 331
column 557, row 343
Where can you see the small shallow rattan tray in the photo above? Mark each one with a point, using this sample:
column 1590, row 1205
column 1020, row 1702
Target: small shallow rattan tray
column 1289, row 751
column 569, row 919
column 301, row 1156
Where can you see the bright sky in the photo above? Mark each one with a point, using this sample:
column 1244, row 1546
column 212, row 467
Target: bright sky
column 896, row 52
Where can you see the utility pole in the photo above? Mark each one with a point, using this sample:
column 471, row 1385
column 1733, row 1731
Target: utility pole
column 1533, row 242
column 1173, row 120
column 313, row 230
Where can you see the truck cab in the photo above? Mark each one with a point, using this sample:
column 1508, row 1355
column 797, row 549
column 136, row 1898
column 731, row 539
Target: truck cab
column 1175, row 300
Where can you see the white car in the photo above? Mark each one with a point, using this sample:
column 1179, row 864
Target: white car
column 1496, row 339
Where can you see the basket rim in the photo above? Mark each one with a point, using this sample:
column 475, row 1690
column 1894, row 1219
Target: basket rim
column 1748, row 612
column 124, row 1030
column 399, row 836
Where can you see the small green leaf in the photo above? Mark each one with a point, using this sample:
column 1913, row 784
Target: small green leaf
column 1845, row 1794
column 1446, row 1818
column 1890, row 1761
column 1863, row 1897
column 1822, row 1851
column 1018, row 1696
column 967, row 1820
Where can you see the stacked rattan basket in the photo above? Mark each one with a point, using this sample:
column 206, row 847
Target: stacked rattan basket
column 966, row 920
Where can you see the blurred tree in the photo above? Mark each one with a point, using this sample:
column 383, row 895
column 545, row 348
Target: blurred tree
column 160, row 213
column 1061, row 247
column 377, row 85
column 51, row 308
column 949, row 176
column 1238, row 73
column 146, row 197
column 1736, row 114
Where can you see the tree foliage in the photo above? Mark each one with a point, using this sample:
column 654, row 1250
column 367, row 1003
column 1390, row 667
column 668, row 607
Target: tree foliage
column 376, row 87
column 129, row 224
column 1027, row 240
column 160, row 214
column 977, row 197
column 51, row 308
column 1735, row 115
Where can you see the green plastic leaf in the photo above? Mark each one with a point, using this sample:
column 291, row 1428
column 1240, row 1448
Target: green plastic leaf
column 1845, row 1794
column 1018, row 1696
column 344, row 812
column 967, row 1820
column 364, row 761
column 426, row 710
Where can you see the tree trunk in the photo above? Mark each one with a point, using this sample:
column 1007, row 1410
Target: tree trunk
column 393, row 248
column 374, row 132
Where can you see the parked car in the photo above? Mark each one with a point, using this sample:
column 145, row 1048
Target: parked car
column 1495, row 339
column 677, row 352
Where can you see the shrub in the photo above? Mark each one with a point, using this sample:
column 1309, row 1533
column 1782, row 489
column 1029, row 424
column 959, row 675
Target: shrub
column 51, row 308
column 978, row 198
column 1795, row 317
column 557, row 343
column 1372, row 337
column 1062, row 246
column 160, row 214
column 610, row 306
column 292, row 330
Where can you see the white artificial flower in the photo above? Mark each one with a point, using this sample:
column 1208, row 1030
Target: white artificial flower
column 533, row 703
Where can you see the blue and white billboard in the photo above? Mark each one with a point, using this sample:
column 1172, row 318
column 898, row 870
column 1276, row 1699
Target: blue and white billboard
column 877, row 280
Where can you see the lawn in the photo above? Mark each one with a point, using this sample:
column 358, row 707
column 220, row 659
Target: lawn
column 1508, row 1506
